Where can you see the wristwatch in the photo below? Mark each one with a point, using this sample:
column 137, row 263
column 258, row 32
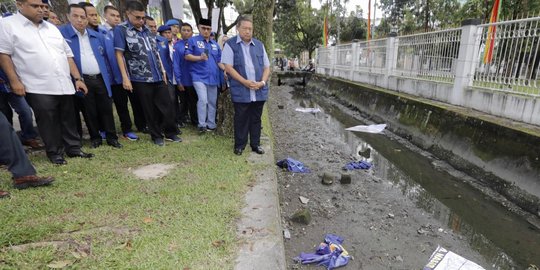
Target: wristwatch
column 79, row 79
column 264, row 83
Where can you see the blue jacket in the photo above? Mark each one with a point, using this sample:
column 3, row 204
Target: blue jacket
column 164, row 54
column 181, row 66
column 116, row 75
column 97, row 42
column 240, row 93
column 204, row 71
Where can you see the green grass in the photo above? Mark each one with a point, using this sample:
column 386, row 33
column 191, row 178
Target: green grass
column 109, row 219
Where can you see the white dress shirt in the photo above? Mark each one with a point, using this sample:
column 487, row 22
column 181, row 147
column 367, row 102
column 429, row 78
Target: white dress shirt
column 39, row 54
column 89, row 64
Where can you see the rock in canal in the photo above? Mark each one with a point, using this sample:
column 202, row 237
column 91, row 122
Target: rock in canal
column 302, row 216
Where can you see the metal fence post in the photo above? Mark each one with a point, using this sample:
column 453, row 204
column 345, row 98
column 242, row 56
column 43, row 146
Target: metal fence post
column 333, row 60
column 391, row 55
column 354, row 51
column 466, row 61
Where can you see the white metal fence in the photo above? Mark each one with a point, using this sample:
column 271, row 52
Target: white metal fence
column 514, row 64
column 370, row 56
column 429, row 56
column 509, row 56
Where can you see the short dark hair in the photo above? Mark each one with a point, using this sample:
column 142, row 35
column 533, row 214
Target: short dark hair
column 72, row 6
column 109, row 7
column 149, row 18
column 134, row 5
column 186, row 24
column 85, row 4
column 242, row 19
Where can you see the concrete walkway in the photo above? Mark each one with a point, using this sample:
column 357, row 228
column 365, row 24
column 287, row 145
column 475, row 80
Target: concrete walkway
column 259, row 229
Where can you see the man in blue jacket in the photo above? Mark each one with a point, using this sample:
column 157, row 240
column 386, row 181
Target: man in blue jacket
column 246, row 62
column 88, row 48
column 119, row 94
column 164, row 40
column 182, row 69
column 143, row 73
column 205, row 56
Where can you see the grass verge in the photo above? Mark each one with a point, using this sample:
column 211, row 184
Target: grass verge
column 99, row 215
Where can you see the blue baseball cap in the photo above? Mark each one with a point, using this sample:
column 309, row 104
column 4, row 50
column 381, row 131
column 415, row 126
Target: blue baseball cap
column 164, row 28
column 172, row 22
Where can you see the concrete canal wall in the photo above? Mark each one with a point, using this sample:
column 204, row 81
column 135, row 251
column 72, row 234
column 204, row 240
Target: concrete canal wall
column 500, row 153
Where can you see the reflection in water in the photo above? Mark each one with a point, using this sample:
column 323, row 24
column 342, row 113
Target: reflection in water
column 464, row 210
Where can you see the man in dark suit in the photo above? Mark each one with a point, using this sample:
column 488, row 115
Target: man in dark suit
column 12, row 154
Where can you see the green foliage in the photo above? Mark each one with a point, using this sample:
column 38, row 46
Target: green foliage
column 353, row 28
column 298, row 26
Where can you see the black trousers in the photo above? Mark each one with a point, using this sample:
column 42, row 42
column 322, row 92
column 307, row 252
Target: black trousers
column 55, row 117
column 247, row 120
column 173, row 94
column 188, row 103
column 98, row 107
column 120, row 97
column 155, row 100
column 5, row 108
column 12, row 152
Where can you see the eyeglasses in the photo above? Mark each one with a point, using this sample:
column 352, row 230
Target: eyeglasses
column 137, row 18
column 206, row 28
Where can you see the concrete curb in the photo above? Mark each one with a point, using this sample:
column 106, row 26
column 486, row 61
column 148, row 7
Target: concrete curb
column 259, row 229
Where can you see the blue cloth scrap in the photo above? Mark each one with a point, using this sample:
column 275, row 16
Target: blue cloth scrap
column 293, row 165
column 356, row 165
column 330, row 253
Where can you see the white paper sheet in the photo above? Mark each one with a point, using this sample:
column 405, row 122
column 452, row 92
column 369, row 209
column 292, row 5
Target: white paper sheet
column 368, row 129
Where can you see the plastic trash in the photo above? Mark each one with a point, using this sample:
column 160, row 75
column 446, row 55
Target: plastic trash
column 443, row 259
column 357, row 165
column 368, row 129
column 293, row 165
column 308, row 110
column 330, row 254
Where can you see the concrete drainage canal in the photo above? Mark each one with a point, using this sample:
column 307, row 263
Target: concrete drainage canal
column 394, row 215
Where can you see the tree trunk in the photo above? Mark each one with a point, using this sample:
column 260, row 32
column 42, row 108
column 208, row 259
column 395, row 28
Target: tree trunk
column 262, row 22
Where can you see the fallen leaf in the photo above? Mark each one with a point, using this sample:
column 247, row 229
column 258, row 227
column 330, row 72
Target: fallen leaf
column 147, row 220
column 126, row 245
column 218, row 243
column 79, row 254
column 59, row 264
column 80, row 194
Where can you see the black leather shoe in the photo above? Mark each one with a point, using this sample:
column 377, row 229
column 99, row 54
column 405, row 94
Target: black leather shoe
column 114, row 144
column 258, row 150
column 238, row 151
column 95, row 144
column 58, row 160
column 81, row 154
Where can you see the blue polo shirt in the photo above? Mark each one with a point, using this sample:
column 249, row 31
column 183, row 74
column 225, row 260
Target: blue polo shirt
column 207, row 71
column 181, row 66
column 140, row 52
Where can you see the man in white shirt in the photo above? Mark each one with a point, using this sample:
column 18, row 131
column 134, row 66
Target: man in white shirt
column 38, row 63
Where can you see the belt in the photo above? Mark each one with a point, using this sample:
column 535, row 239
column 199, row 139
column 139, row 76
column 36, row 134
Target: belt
column 92, row 77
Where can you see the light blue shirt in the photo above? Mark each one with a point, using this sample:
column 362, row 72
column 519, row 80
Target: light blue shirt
column 227, row 58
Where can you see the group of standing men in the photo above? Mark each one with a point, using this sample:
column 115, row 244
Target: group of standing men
column 83, row 67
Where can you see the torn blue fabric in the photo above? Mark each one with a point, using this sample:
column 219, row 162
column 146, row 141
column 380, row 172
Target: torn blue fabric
column 293, row 165
column 329, row 254
column 355, row 165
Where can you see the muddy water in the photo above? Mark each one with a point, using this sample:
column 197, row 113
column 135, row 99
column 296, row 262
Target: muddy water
column 502, row 238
